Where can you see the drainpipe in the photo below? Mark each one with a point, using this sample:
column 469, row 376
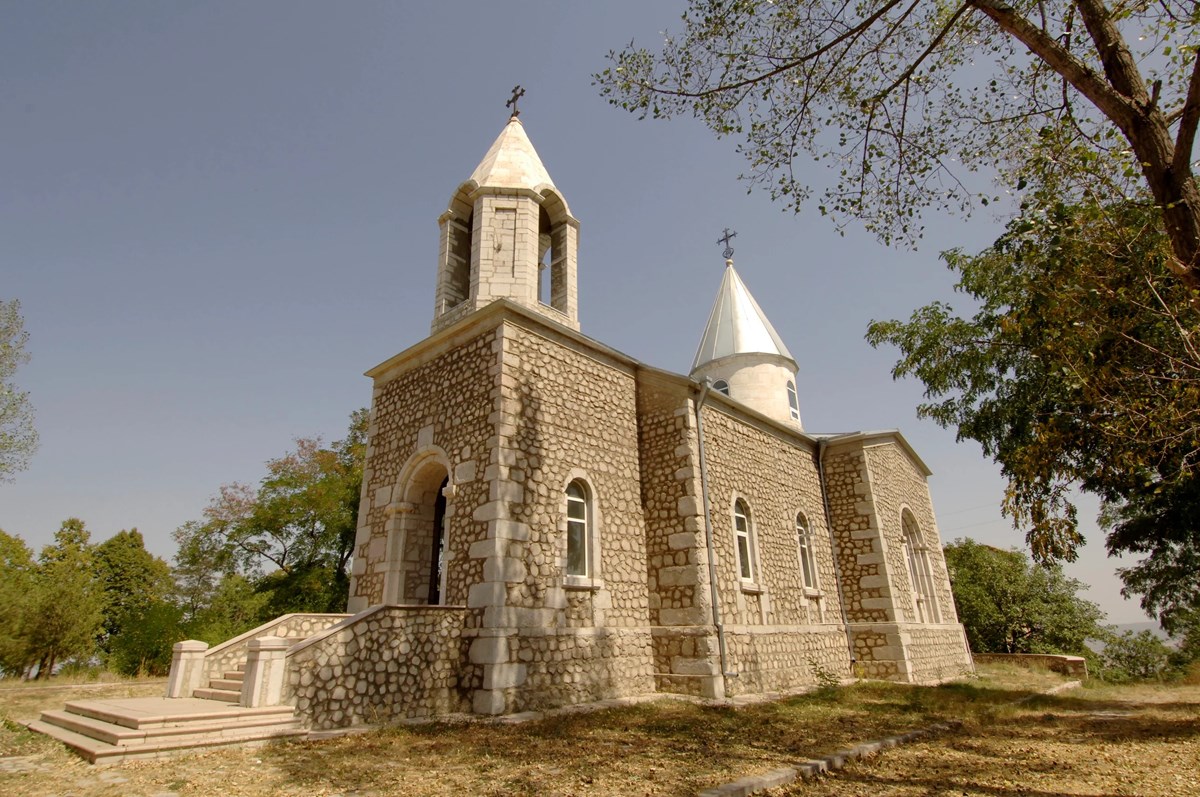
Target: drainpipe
column 822, row 446
column 708, row 538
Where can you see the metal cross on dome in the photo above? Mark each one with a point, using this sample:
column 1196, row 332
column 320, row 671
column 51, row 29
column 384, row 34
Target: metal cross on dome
column 724, row 239
column 517, row 93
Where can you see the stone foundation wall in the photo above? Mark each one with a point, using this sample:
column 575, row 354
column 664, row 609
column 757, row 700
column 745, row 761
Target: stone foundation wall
column 783, row 658
column 937, row 653
column 567, row 666
column 390, row 663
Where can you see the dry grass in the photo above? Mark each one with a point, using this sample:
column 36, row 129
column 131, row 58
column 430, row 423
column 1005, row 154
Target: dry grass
column 673, row 747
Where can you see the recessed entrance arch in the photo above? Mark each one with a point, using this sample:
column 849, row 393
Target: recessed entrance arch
column 418, row 548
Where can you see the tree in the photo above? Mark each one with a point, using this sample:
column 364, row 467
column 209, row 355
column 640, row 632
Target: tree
column 137, row 590
column 901, row 96
column 1079, row 368
column 293, row 536
column 17, row 573
column 1009, row 605
column 65, row 613
column 1135, row 657
column 18, row 439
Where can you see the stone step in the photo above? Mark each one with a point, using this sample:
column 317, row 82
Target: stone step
column 120, row 735
column 226, row 684
column 100, row 752
column 223, row 695
column 235, row 675
column 170, row 713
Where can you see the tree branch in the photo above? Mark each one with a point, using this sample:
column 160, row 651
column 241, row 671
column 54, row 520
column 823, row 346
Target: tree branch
column 1113, row 104
column 1189, row 118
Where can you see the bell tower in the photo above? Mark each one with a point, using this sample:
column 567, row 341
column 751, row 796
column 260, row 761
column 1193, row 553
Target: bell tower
column 508, row 234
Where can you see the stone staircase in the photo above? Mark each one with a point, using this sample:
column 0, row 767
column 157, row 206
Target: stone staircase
column 109, row 731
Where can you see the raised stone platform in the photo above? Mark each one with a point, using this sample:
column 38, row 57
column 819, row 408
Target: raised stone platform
column 109, row 731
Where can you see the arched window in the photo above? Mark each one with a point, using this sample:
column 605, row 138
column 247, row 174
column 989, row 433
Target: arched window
column 919, row 573
column 721, row 386
column 808, row 565
column 743, row 531
column 579, row 529
column 793, row 401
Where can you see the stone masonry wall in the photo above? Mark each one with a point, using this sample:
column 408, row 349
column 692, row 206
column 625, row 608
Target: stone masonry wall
column 394, row 663
column 572, row 415
column 441, row 405
column 686, row 651
column 775, row 635
column 860, row 550
column 899, row 484
column 229, row 655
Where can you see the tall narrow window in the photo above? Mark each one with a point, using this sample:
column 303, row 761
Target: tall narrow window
column 919, row 572
column 793, row 401
column 741, row 527
column 721, row 386
column 578, row 530
column 808, row 566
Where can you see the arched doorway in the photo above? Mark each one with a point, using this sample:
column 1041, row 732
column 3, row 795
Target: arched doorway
column 419, row 550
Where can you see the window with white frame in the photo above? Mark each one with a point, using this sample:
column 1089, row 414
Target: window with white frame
column 579, row 529
column 721, row 386
column 808, row 564
column 919, row 573
column 793, row 400
column 743, row 531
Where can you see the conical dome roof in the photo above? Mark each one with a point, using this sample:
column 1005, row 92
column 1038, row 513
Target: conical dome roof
column 512, row 162
column 737, row 325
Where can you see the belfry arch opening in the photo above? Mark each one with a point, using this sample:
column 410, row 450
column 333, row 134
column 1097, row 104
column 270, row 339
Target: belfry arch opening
column 460, row 234
column 553, row 258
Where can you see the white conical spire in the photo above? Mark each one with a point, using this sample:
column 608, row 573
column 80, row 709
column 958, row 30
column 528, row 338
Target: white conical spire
column 512, row 162
column 737, row 325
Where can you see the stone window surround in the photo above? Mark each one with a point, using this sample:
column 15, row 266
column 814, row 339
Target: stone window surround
column 806, row 553
column 594, row 580
column 753, row 583
column 920, row 574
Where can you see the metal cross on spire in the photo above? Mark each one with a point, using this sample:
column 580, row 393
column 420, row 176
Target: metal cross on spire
column 724, row 239
column 517, row 93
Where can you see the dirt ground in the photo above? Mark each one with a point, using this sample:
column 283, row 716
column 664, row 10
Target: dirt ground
column 1128, row 741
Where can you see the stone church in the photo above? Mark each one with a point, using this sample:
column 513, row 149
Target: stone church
column 594, row 527
column 546, row 521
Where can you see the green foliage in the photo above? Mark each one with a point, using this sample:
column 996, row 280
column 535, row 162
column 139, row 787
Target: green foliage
column 234, row 607
column 144, row 644
column 1135, row 657
column 1079, row 367
column 1009, row 605
column 18, row 572
column 18, row 439
column 133, row 581
column 292, row 537
column 65, row 612
column 903, row 100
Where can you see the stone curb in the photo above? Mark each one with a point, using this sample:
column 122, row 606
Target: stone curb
column 809, row 769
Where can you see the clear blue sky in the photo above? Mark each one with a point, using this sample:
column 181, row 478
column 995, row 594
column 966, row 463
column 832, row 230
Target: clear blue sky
column 217, row 215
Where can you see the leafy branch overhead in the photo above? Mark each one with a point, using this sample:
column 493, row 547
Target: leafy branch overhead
column 903, row 99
